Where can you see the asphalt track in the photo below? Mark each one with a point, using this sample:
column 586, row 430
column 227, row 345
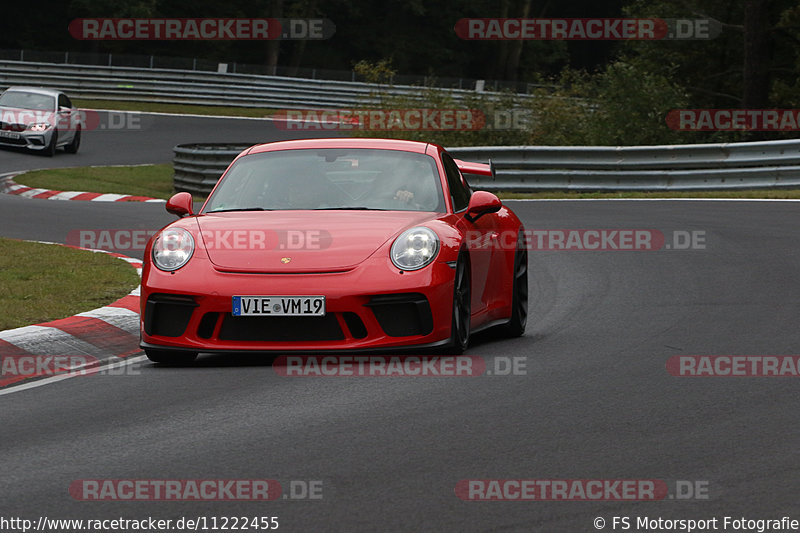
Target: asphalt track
column 145, row 138
column 596, row 401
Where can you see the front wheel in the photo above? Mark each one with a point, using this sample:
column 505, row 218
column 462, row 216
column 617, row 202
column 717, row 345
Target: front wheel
column 170, row 357
column 462, row 306
column 50, row 150
column 519, row 301
column 72, row 148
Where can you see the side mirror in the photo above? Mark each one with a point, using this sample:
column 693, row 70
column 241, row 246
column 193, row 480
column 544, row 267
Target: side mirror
column 180, row 204
column 481, row 203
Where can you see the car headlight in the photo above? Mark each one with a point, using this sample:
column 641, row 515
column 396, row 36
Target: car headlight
column 39, row 126
column 172, row 249
column 415, row 248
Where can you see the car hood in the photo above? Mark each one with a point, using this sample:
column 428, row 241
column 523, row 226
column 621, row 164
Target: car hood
column 14, row 115
column 300, row 241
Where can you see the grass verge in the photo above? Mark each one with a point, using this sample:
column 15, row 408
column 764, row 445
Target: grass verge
column 43, row 282
column 154, row 181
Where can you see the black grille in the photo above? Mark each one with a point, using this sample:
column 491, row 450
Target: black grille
column 6, row 140
column 206, row 327
column 355, row 325
column 168, row 314
column 280, row 328
column 403, row 315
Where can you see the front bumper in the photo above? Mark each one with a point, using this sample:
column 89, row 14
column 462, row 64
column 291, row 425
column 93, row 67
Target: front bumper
column 373, row 306
column 32, row 141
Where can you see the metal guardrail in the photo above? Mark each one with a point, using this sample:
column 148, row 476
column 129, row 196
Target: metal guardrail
column 150, row 61
column 198, row 167
column 206, row 88
column 747, row 165
column 768, row 164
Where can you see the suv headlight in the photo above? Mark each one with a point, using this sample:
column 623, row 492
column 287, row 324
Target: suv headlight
column 39, row 126
column 172, row 249
column 415, row 248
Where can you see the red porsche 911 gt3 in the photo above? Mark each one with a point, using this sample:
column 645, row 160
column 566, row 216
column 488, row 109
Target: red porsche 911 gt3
column 334, row 244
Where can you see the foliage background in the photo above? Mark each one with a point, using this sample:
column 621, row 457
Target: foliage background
column 601, row 92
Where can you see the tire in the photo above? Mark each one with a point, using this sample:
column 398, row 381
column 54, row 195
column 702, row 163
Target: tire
column 519, row 301
column 72, row 148
column 50, row 151
column 170, row 357
column 462, row 306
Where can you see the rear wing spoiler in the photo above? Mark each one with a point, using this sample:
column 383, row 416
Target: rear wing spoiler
column 481, row 169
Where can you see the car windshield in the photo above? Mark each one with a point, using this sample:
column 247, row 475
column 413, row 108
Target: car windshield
column 330, row 179
column 26, row 100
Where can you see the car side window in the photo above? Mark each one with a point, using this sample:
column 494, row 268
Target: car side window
column 459, row 190
column 63, row 101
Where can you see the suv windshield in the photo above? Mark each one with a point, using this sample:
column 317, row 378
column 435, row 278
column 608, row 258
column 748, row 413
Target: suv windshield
column 25, row 100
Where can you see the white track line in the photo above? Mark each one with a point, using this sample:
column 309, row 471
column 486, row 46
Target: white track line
column 39, row 340
column 53, row 379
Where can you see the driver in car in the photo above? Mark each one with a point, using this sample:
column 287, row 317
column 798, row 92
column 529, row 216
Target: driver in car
column 410, row 186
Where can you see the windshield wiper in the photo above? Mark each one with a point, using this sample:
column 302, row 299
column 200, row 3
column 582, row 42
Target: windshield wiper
column 238, row 209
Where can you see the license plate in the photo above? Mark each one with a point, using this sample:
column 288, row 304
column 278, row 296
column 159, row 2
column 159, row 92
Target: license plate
column 9, row 134
column 278, row 306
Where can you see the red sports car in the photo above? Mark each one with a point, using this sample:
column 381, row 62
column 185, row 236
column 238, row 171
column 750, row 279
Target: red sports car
column 334, row 244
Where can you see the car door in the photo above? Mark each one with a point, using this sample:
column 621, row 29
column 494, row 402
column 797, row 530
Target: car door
column 480, row 236
column 67, row 119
